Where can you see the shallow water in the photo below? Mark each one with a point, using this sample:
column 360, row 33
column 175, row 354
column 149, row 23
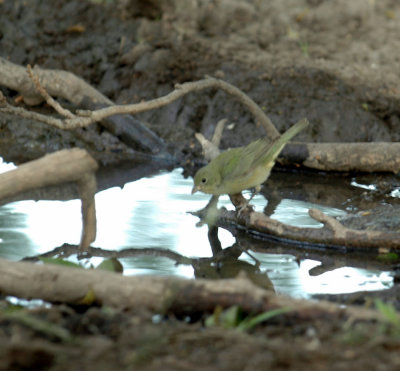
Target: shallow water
column 153, row 213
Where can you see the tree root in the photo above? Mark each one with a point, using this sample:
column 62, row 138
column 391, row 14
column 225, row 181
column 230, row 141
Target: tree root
column 68, row 165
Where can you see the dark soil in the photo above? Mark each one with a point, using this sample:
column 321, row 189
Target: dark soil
column 105, row 339
column 334, row 62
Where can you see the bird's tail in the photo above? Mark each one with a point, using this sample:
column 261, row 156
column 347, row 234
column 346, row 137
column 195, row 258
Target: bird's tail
column 277, row 145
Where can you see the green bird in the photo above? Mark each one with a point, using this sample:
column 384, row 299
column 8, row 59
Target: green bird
column 245, row 167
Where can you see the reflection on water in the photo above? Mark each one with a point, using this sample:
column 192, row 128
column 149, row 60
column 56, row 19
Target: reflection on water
column 152, row 212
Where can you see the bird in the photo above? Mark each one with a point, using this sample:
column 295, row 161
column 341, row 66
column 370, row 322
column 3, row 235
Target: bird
column 242, row 168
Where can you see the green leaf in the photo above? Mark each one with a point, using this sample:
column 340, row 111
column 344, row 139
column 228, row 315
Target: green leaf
column 111, row 265
column 233, row 318
column 88, row 299
column 388, row 311
column 228, row 318
column 389, row 257
column 250, row 322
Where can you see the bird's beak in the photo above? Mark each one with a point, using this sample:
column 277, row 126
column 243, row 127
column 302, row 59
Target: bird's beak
column 195, row 189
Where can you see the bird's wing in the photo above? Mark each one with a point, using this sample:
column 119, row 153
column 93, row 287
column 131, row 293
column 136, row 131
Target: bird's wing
column 238, row 162
column 241, row 162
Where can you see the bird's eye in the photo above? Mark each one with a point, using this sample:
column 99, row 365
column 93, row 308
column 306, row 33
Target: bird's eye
column 203, row 180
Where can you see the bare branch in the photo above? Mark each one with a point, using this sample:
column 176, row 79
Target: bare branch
column 49, row 100
column 180, row 91
column 183, row 89
column 5, row 107
column 210, row 150
column 216, row 139
column 332, row 235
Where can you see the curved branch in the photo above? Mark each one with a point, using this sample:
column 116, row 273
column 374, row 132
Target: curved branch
column 88, row 117
column 68, row 165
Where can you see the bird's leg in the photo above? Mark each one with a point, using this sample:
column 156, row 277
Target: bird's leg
column 240, row 203
column 254, row 191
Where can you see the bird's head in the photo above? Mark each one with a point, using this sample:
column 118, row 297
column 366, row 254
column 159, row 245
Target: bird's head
column 207, row 180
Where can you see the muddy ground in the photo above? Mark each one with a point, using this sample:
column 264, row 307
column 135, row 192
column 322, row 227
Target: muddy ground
column 335, row 62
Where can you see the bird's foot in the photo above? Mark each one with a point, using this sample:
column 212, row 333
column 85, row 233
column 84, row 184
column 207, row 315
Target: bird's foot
column 245, row 204
column 246, row 208
column 241, row 204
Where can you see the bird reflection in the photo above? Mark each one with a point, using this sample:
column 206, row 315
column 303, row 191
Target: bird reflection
column 225, row 263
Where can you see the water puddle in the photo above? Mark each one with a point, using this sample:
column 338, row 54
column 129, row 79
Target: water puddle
column 152, row 213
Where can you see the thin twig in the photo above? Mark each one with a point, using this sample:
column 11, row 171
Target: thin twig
column 180, row 91
column 30, row 115
column 336, row 227
column 46, row 96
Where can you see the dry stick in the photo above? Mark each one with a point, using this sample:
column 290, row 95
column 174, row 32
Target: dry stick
column 344, row 236
column 68, row 165
column 210, row 148
column 219, row 129
column 5, row 107
column 49, row 100
column 162, row 294
column 331, row 235
column 87, row 186
column 180, row 90
column 183, row 89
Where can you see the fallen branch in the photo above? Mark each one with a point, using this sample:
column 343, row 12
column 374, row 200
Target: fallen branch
column 56, row 283
column 332, row 235
column 72, row 165
column 365, row 157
